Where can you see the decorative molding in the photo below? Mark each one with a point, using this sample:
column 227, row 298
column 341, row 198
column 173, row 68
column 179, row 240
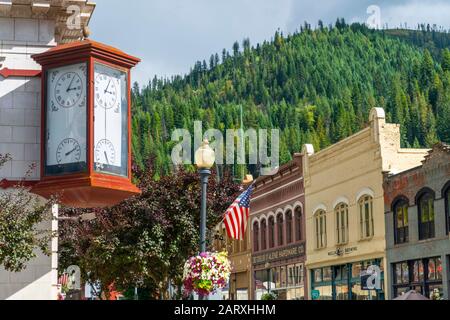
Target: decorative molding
column 6, row 73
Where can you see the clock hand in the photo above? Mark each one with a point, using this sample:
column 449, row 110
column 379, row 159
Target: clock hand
column 71, row 151
column 70, row 85
column 107, row 87
column 106, row 156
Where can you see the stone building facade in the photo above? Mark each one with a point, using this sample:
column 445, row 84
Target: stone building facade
column 417, row 226
column 278, row 234
column 29, row 27
column 345, row 224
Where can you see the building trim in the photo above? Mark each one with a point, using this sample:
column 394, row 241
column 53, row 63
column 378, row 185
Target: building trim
column 279, row 203
column 8, row 184
column 276, row 189
column 6, row 73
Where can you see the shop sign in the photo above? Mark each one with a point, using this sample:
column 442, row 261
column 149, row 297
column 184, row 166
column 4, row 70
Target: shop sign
column 287, row 253
column 315, row 294
column 342, row 251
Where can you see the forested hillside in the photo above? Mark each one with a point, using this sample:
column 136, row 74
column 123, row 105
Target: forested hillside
column 316, row 86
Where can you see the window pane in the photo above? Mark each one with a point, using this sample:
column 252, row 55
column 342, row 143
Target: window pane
column 398, row 273
column 405, row 273
column 318, row 275
column 327, row 274
column 438, row 269
column 431, row 270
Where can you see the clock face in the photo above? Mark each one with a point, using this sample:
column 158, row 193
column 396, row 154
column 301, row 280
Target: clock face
column 68, row 89
column 105, row 152
column 106, row 91
column 69, row 151
column 110, row 120
column 66, row 119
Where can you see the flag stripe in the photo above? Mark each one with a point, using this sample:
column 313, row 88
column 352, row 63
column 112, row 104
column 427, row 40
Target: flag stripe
column 237, row 215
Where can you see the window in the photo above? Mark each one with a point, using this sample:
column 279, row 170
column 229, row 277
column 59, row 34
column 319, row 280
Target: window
column 447, row 207
column 422, row 275
column 366, row 217
column 289, row 227
column 401, row 223
column 256, row 237
column 271, row 232
column 341, row 212
column 321, row 229
column 298, row 224
column 263, row 235
column 280, row 227
column 426, row 216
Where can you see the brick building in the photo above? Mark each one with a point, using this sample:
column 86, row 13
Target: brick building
column 278, row 234
column 417, row 226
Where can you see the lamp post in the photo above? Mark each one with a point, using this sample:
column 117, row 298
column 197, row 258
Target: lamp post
column 204, row 159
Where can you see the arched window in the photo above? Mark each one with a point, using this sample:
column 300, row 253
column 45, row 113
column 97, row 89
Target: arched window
column 426, row 215
column 321, row 229
column 280, row 228
column 256, row 237
column 289, row 227
column 263, row 234
column 341, row 213
column 271, row 232
column 366, row 228
column 401, row 221
column 298, row 224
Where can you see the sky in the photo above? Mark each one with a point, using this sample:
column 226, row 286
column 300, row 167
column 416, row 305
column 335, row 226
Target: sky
column 171, row 35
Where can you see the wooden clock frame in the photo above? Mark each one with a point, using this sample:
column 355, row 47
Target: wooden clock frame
column 89, row 188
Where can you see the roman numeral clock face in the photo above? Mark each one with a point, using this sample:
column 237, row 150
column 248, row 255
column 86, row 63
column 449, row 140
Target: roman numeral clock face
column 66, row 120
column 110, row 122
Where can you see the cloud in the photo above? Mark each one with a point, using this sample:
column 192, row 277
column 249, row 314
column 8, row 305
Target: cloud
column 171, row 35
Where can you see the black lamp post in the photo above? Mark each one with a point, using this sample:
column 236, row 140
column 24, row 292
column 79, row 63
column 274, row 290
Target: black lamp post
column 204, row 159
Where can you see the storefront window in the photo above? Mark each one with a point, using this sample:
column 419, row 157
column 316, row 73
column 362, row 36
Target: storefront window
column 318, row 275
column 418, row 271
column 422, row 276
column 327, row 274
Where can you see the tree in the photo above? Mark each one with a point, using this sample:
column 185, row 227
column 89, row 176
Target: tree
column 145, row 241
column 22, row 234
column 446, row 60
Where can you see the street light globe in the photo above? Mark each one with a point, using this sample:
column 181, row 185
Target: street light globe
column 204, row 156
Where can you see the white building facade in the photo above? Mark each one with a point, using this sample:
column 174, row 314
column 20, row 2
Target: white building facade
column 29, row 27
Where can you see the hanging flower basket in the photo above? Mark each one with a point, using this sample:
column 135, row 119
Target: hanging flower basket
column 206, row 273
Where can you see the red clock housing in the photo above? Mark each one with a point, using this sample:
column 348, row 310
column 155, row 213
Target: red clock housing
column 86, row 125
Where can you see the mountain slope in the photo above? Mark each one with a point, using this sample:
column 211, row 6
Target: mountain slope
column 316, row 86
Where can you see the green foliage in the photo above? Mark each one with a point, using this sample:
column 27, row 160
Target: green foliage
column 146, row 240
column 22, row 232
column 316, row 86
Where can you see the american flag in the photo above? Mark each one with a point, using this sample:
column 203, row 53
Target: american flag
column 64, row 279
column 237, row 215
